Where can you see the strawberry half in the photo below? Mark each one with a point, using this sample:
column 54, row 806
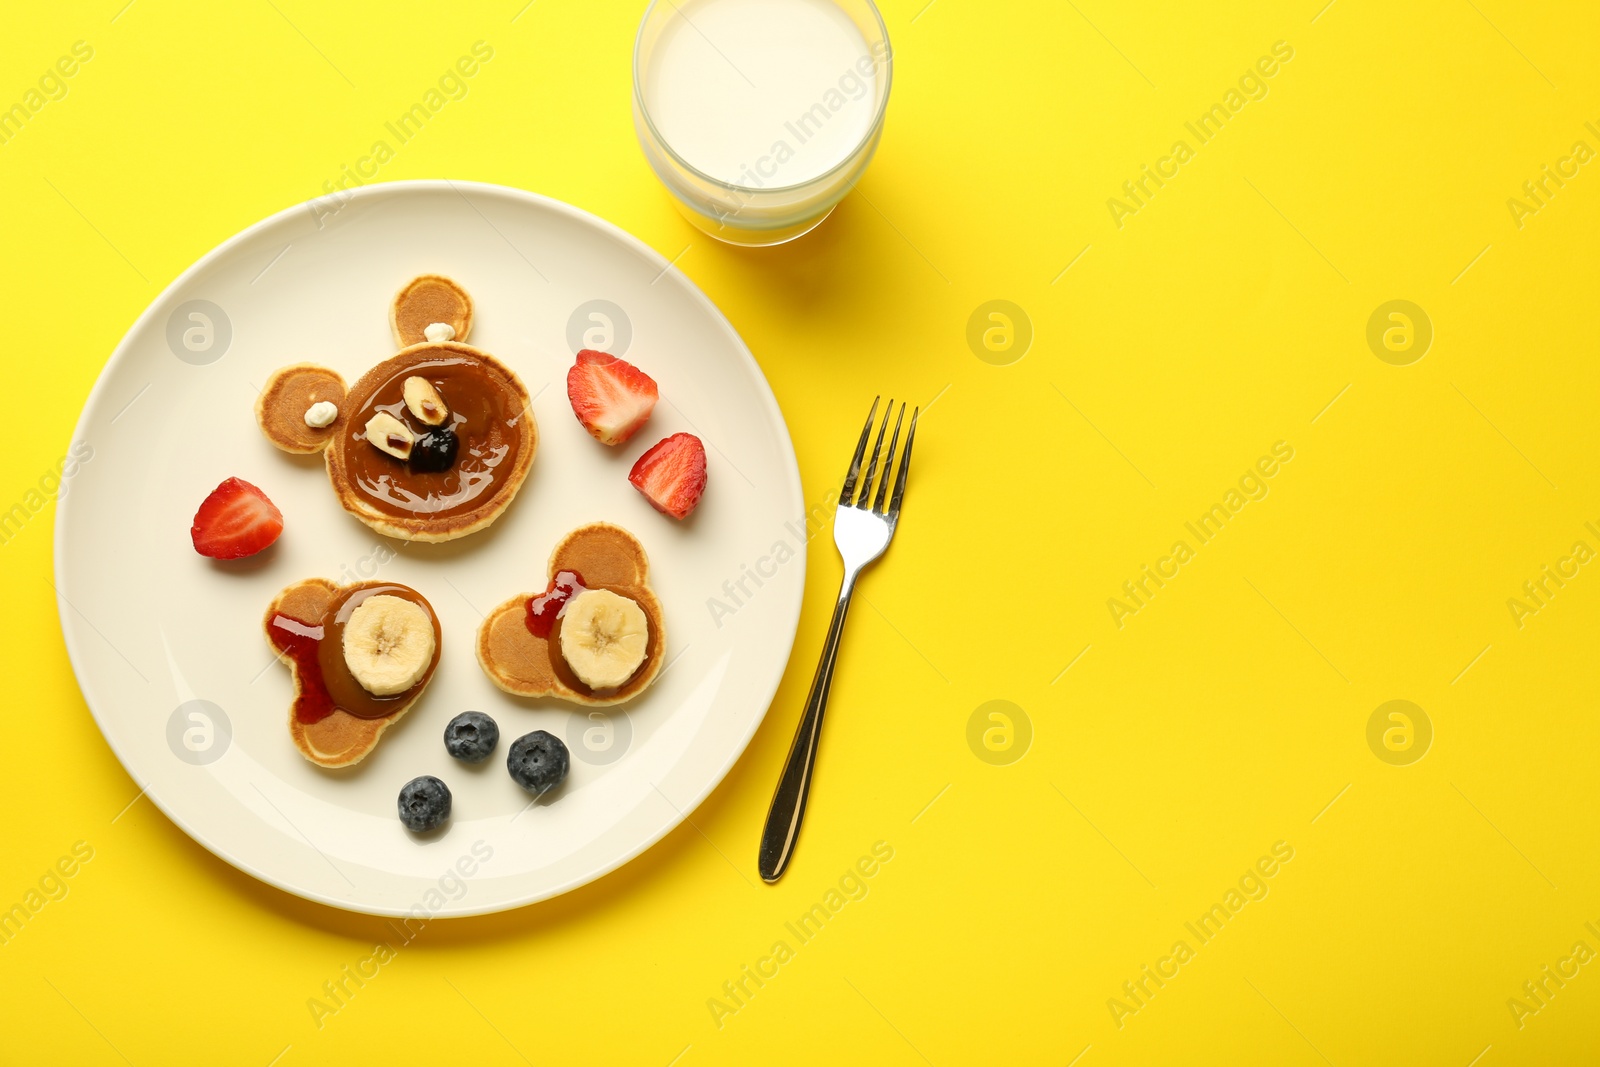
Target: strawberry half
column 672, row 475
column 236, row 520
column 611, row 397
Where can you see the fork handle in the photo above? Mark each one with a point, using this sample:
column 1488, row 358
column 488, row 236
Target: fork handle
column 788, row 809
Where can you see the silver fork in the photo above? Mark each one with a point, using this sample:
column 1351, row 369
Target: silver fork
column 862, row 527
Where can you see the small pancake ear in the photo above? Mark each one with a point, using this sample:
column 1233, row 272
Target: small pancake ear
column 604, row 554
column 290, row 396
column 426, row 299
column 306, row 600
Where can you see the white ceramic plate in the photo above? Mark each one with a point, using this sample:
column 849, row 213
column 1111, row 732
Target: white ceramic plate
column 168, row 646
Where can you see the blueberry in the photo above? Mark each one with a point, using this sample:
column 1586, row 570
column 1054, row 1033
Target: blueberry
column 424, row 803
column 471, row 736
column 435, row 450
column 537, row 762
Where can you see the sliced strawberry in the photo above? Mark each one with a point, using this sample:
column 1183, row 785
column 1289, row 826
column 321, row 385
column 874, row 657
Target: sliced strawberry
column 236, row 520
column 611, row 397
column 672, row 475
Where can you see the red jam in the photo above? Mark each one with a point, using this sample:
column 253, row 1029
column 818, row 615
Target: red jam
column 545, row 609
column 300, row 642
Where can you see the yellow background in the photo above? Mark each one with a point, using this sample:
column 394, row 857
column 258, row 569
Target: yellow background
column 1223, row 717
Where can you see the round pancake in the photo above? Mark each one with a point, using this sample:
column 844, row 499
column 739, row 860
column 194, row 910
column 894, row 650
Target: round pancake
column 424, row 527
column 424, row 300
column 282, row 403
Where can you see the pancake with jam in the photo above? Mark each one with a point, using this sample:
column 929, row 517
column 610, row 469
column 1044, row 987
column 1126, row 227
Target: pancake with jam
column 335, row 719
column 520, row 643
column 433, row 443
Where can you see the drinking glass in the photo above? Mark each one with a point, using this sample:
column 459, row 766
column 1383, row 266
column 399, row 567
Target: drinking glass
column 760, row 115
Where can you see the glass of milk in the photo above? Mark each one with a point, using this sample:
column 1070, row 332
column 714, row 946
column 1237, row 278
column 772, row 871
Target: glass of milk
column 760, row 115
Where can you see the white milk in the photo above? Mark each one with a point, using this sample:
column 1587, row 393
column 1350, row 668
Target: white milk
column 762, row 93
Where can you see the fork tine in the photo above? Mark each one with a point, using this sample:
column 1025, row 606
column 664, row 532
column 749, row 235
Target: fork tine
column 905, row 467
column 848, row 493
column 872, row 465
column 888, row 460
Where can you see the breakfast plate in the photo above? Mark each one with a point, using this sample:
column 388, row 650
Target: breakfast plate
column 168, row 645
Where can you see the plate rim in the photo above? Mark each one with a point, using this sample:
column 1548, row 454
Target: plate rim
column 401, row 188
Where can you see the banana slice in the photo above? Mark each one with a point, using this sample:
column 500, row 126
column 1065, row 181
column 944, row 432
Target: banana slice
column 390, row 435
column 424, row 401
column 388, row 644
column 603, row 638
